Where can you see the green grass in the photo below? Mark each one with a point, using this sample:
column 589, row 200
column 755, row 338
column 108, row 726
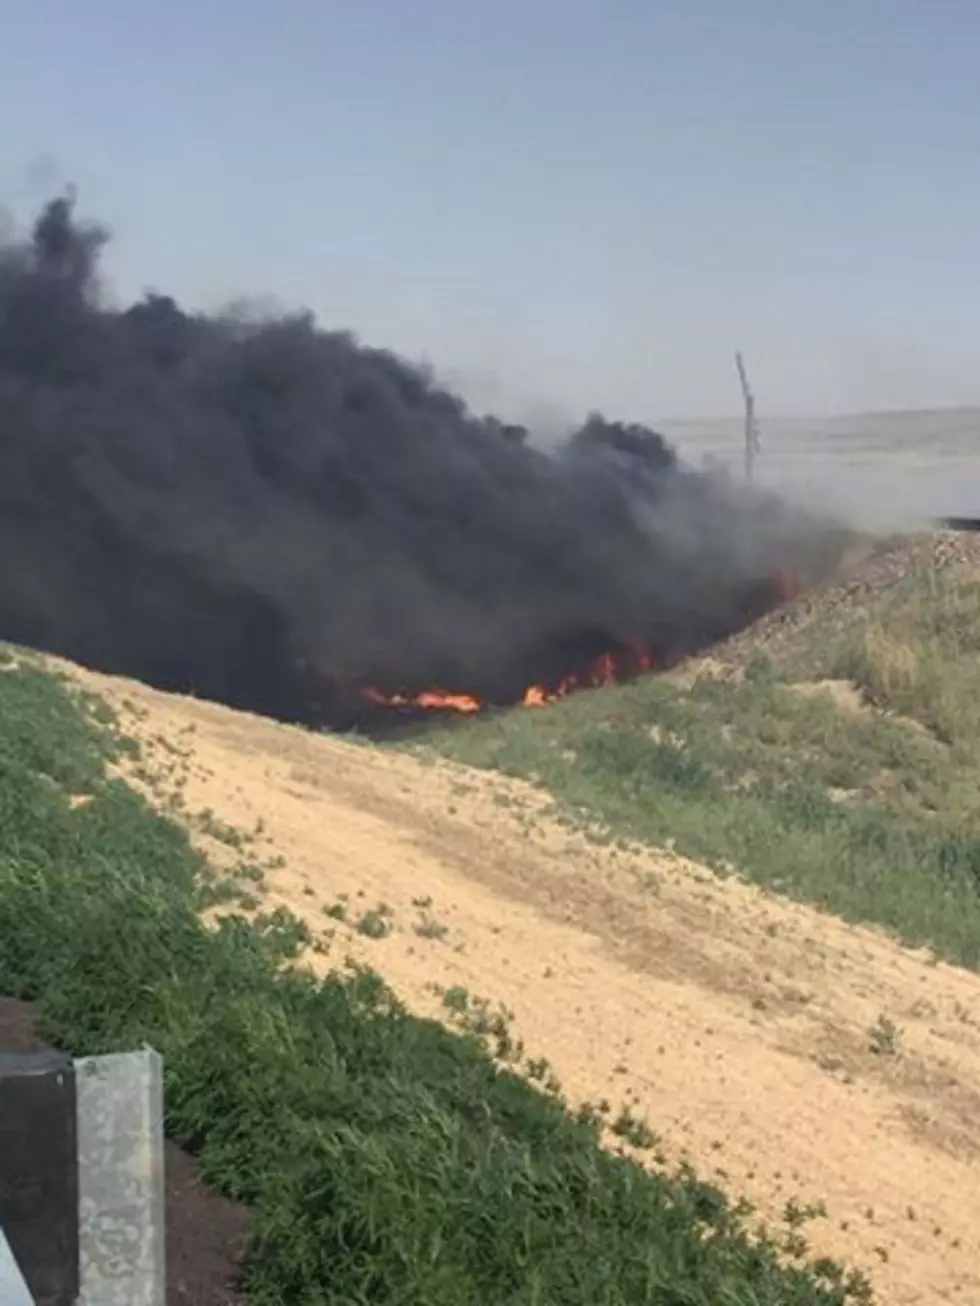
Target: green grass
column 386, row 1159
column 873, row 813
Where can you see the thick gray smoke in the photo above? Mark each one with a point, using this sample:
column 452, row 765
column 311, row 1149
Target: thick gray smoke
column 273, row 515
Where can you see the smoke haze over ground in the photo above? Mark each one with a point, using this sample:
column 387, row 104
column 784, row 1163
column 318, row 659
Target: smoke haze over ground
column 892, row 471
column 273, row 515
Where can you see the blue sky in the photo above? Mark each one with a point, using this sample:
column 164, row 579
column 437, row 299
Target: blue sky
column 562, row 204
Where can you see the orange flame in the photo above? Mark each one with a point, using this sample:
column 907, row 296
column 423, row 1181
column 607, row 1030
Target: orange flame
column 431, row 698
column 607, row 669
column 534, row 696
column 786, row 583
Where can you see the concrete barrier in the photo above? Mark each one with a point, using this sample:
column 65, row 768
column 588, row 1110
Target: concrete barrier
column 120, row 1179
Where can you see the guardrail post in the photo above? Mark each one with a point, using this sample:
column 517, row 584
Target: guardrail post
column 121, row 1179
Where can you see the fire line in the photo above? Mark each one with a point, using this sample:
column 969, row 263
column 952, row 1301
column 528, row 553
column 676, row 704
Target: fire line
column 607, row 669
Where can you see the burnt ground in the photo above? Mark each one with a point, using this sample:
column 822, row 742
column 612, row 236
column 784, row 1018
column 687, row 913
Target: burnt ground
column 205, row 1232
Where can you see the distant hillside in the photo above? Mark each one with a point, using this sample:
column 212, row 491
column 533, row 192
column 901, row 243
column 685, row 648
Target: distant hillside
column 893, row 467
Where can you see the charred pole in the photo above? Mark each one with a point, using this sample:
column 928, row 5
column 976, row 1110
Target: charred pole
column 752, row 443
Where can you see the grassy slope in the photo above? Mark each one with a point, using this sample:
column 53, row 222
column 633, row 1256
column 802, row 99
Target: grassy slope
column 874, row 814
column 387, row 1160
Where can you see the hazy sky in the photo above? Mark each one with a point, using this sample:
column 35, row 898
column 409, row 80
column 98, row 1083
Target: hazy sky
column 558, row 202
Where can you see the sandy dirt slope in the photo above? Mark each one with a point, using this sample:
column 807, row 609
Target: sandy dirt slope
column 737, row 1024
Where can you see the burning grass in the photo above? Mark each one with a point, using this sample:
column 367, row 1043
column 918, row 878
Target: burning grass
column 613, row 667
column 606, row 669
column 872, row 813
column 386, row 1159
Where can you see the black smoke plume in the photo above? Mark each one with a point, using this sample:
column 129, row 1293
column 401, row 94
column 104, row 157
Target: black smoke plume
column 270, row 514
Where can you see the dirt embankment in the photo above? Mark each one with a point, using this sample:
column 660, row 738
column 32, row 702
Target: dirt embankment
column 786, row 1053
column 873, row 567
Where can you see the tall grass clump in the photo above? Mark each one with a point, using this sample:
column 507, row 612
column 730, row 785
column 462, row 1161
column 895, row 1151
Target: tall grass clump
column 916, row 653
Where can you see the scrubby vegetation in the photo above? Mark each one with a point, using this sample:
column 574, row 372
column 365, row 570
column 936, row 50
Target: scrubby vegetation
column 386, row 1159
column 838, row 762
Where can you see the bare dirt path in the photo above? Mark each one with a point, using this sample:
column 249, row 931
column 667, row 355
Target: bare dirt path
column 752, row 1033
